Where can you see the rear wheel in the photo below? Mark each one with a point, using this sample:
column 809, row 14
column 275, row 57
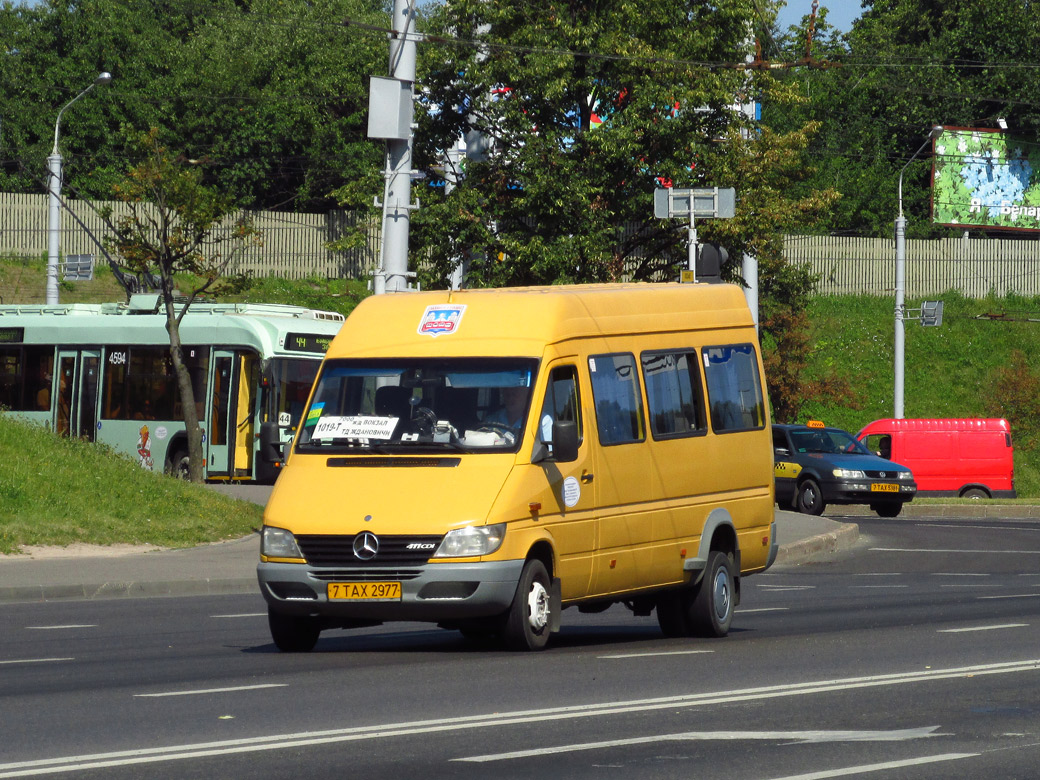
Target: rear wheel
column 528, row 621
column 705, row 610
column 976, row 493
column 809, row 499
column 293, row 633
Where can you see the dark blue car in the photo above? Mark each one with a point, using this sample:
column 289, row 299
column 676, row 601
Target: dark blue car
column 815, row 466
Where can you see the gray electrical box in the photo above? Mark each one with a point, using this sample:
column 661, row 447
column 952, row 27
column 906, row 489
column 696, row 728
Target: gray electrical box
column 78, row 268
column 389, row 108
column 931, row 313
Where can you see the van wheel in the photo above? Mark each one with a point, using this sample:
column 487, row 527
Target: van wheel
column 809, row 500
column 529, row 618
column 293, row 633
column 710, row 610
column 975, row 493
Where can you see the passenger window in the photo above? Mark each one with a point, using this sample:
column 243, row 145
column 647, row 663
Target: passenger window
column 734, row 389
column 615, row 392
column 561, row 403
column 673, row 392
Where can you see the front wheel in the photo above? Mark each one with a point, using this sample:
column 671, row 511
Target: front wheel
column 711, row 610
column 293, row 633
column 179, row 465
column 528, row 621
column 888, row 510
column 809, row 499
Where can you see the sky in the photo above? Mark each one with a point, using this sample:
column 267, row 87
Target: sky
column 840, row 13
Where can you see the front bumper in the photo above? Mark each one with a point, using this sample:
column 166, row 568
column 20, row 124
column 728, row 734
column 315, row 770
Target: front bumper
column 431, row 592
column 863, row 491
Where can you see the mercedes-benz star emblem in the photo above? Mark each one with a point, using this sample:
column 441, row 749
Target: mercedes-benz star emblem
column 366, row 545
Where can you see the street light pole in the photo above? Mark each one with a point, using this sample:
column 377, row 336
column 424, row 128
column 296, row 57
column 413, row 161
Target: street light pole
column 54, row 195
column 900, row 335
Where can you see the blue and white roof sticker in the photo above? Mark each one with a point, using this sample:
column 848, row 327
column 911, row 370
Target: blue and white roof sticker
column 442, row 318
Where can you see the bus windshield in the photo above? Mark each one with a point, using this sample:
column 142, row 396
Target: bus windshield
column 470, row 404
column 290, row 380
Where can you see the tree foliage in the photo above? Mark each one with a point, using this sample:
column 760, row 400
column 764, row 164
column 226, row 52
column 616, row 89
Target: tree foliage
column 272, row 93
column 174, row 226
column 904, row 66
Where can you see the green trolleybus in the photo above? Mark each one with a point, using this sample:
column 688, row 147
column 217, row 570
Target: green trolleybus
column 103, row 372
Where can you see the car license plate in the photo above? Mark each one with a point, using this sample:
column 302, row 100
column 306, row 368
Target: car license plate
column 884, row 487
column 364, row 591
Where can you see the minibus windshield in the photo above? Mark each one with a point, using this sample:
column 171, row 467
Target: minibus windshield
column 468, row 404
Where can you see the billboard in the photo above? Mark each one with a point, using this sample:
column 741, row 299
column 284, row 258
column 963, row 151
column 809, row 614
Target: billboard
column 985, row 178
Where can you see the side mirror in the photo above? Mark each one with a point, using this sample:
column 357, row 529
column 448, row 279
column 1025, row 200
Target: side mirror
column 270, row 442
column 565, row 441
column 781, row 451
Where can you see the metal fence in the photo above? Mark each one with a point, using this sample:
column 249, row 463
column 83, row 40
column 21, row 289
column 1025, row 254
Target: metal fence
column 296, row 246
column 975, row 267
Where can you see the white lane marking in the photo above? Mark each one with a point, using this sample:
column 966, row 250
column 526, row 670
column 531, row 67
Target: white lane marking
column 58, row 628
column 982, row 628
column 864, row 768
column 880, row 574
column 209, row 690
column 959, row 574
column 35, row 660
column 762, row 609
column 968, row 552
column 244, row 614
column 1012, row 596
column 779, row 588
column 995, row 527
column 467, row 722
column 650, row 655
column 972, row 585
column 797, row 737
column 875, row 587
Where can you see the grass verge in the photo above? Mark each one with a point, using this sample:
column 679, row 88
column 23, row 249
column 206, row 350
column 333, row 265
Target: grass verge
column 58, row 491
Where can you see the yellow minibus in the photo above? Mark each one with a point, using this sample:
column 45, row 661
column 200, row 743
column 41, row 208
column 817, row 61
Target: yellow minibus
column 484, row 459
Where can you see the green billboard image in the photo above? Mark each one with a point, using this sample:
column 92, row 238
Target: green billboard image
column 984, row 178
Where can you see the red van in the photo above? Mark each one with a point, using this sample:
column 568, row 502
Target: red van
column 968, row 458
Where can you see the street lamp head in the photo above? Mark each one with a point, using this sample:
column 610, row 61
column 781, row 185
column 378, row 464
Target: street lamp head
column 1002, row 123
column 934, row 133
column 103, row 78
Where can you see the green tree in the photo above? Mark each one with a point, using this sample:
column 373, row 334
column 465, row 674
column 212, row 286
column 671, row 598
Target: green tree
column 176, row 225
column 904, row 66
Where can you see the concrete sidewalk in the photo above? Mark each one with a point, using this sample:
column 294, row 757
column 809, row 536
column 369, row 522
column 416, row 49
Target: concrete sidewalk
column 230, row 567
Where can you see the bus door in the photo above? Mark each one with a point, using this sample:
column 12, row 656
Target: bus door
column 233, row 406
column 78, row 376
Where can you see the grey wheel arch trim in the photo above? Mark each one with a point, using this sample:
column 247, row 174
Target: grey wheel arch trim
column 717, row 518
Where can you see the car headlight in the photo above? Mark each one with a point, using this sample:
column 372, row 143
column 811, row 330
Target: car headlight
column 278, row 543
column 848, row 474
column 905, row 475
column 471, row 541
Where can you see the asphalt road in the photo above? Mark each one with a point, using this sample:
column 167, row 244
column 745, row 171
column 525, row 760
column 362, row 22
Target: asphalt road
column 915, row 655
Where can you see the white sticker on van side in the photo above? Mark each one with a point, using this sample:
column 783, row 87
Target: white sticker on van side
column 571, row 491
column 441, row 319
column 355, row 427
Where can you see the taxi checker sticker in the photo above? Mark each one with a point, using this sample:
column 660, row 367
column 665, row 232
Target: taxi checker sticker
column 442, row 318
column 783, row 469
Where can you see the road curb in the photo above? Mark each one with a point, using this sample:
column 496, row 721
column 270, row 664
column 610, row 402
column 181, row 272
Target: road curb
column 842, row 538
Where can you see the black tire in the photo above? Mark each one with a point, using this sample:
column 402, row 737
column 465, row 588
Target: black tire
column 809, row 499
column 179, row 465
column 711, row 610
column 975, row 493
column 293, row 633
column 527, row 623
column 887, row 510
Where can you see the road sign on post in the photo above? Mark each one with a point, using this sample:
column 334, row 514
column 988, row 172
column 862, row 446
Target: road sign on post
column 703, row 202
column 931, row 313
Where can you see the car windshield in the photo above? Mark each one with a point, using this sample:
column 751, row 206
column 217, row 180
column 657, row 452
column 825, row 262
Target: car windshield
column 831, row 441
column 465, row 404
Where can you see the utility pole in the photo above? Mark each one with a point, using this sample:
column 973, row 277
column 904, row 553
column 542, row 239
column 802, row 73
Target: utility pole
column 397, row 193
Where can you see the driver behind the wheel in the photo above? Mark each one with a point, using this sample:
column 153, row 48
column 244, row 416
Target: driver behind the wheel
column 511, row 413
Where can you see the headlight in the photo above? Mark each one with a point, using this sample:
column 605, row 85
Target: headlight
column 848, row 474
column 472, row 541
column 905, row 475
column 278, row 543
